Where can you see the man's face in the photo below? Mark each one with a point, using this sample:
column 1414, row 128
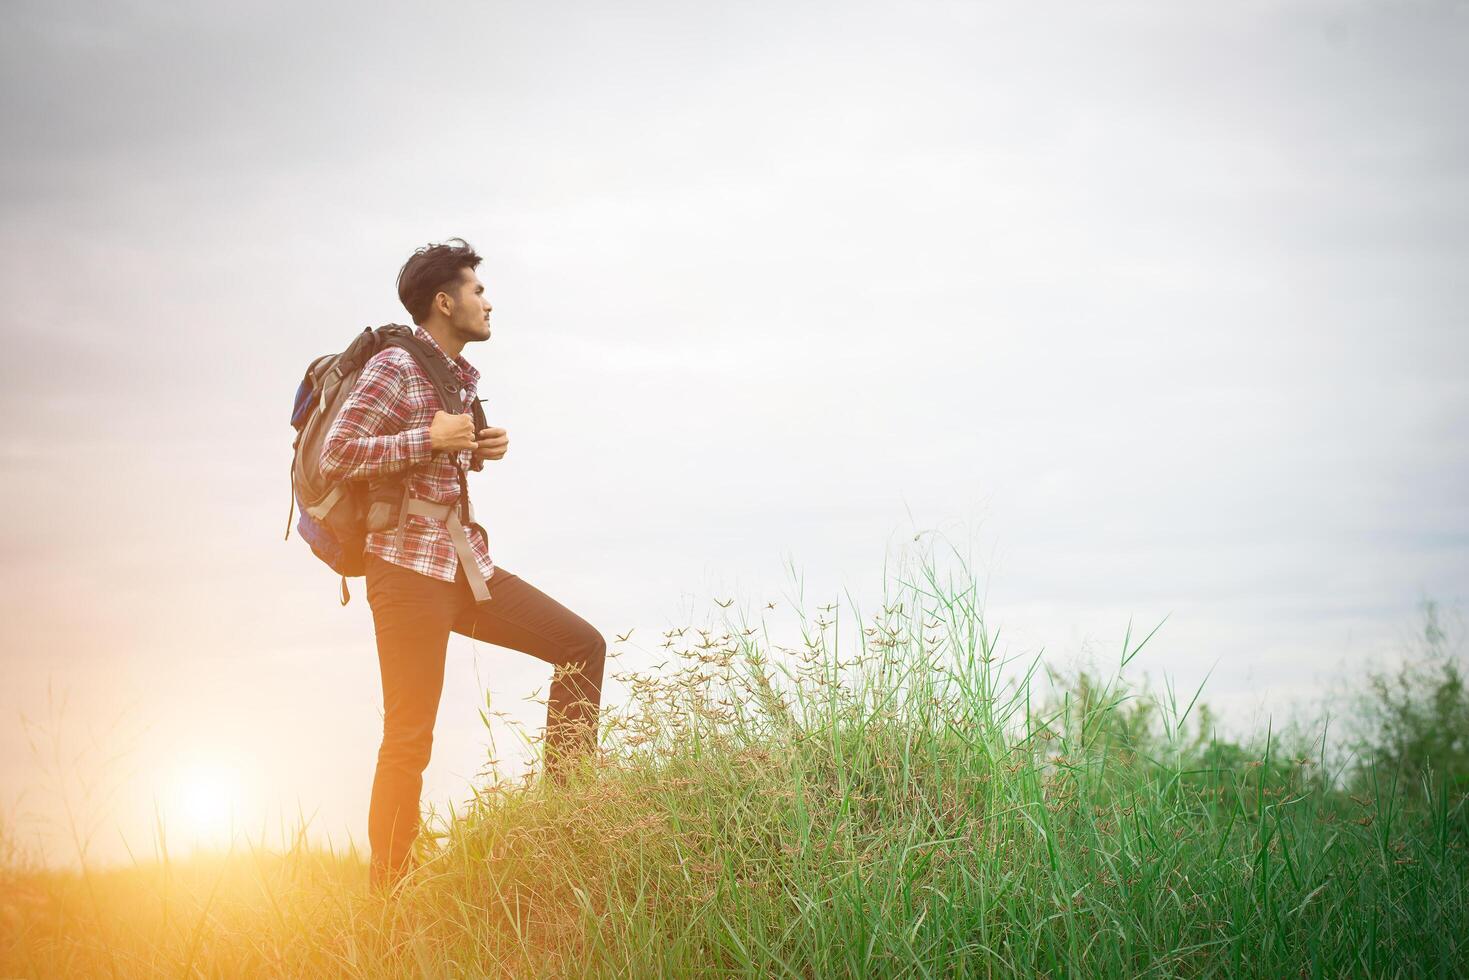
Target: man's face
column 470, row 308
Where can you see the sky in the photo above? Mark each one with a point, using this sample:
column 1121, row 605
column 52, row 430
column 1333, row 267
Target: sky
column 1157, row 310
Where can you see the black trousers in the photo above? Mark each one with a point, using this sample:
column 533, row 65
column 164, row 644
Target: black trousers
column 413, row 614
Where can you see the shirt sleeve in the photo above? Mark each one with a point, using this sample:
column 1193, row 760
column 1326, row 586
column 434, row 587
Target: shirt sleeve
column 368, row 438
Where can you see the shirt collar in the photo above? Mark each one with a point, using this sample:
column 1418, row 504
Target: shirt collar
column 465, row 368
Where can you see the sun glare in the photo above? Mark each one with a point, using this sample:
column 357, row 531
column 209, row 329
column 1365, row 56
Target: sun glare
column 202, row 805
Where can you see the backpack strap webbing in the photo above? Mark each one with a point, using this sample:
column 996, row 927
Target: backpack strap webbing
column 446, row 513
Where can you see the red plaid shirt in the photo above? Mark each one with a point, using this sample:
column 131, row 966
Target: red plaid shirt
column 381, row 430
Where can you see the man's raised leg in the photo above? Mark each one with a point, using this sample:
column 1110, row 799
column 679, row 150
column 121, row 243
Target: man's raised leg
column 522, row 617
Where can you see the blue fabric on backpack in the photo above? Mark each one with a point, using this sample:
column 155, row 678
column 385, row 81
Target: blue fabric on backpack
column 323, row 542
column 305, row 401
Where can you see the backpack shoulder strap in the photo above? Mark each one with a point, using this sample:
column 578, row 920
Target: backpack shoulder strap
column 445, row 384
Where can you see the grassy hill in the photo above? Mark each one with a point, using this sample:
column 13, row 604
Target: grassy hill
column 894, row 801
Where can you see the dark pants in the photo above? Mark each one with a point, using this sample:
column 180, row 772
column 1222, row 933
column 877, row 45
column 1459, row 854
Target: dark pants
column 413, row 614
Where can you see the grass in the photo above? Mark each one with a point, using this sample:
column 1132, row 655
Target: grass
column 889, row 796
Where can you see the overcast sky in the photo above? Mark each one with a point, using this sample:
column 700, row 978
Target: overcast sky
column 1158, row 308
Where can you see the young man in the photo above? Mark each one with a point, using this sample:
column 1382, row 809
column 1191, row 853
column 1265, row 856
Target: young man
column 431, row 575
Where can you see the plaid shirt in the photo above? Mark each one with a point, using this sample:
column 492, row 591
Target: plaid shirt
column 381, row 430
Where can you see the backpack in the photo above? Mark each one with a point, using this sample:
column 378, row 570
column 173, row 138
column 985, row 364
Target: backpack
column 334, row 514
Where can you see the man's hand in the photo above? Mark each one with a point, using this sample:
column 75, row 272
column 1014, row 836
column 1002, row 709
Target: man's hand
column 492, row 444
column 451, row 433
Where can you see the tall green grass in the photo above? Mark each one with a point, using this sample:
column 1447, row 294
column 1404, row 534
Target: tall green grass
column 886, row 795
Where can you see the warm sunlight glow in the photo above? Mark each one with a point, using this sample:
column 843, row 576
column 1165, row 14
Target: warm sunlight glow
column 201, row 807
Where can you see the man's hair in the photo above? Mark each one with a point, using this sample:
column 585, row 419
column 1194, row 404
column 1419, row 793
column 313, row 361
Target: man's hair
column 429, row 271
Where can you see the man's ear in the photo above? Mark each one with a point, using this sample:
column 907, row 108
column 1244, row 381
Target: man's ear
column 442, row 303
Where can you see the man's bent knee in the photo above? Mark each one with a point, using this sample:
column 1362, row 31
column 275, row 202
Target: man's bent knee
column 585, row 661
column 591, row 649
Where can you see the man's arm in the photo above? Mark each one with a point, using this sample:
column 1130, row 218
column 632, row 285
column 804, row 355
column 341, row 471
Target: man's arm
column 368, row 437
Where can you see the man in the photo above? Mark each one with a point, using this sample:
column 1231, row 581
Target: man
column 392, row 431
